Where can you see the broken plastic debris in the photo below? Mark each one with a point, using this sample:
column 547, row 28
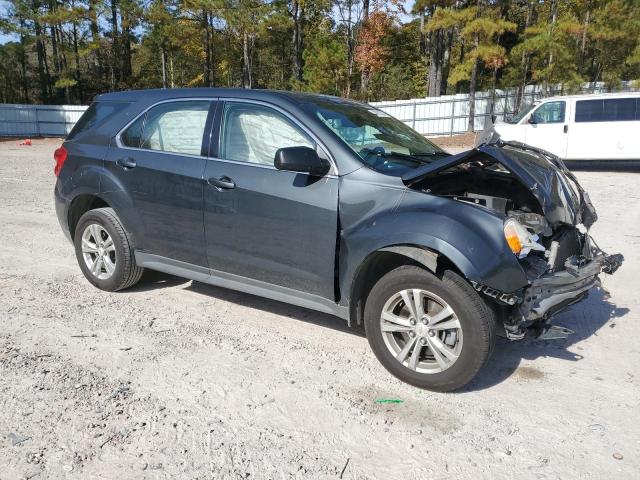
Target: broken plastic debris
column 389, row 400
column 17, row 439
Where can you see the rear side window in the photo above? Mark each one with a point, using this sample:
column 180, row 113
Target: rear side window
column 132, row 136
column 175, row 127
column 609, row 110
column 97, row 113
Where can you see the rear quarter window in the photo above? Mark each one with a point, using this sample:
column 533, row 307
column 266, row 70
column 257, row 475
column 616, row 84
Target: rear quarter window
column 97, row 113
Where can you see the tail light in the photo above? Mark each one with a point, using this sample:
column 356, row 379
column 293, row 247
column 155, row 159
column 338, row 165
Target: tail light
column 60, row 155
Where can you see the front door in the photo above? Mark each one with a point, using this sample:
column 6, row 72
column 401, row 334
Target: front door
column 269, row 225
column 547, row 128
column 159, row 163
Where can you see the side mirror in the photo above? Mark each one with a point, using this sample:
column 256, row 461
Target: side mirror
column 301, row 159
column 531, row 120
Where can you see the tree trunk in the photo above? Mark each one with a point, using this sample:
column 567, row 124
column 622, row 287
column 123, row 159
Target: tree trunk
column 246, row 62
column 95, row 36
column 23, row 63
column 297, row 14
column 365, row 75
column 554, row 17
column 525, row 61
column 115, row 73
column 446, row 62
column 207, row 48
column 42, row 67
column 423, row 50
column 163, row 61
column 350, row 48
column 472, row 97
column 76, row 56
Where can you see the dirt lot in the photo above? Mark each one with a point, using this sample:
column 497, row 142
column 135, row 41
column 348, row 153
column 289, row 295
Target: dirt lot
column 177, row 379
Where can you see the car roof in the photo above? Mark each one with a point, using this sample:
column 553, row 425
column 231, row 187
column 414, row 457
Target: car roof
column 253, row 94
column 592, row 96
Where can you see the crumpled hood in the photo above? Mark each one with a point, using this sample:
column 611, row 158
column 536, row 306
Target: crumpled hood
column 560, row 195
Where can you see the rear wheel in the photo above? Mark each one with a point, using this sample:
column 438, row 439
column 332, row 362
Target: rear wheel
column 104, row 252
column 431, row 332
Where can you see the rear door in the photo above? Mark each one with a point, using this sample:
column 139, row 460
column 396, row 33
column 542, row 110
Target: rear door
column 547, row 127
column 159, row 162
column 265, row 224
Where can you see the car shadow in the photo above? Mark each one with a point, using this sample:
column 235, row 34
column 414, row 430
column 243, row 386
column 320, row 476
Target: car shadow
column 152, row 280
column 585, row 319
column 278, row 308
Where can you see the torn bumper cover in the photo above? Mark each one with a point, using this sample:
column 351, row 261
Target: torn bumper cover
column 551, row 293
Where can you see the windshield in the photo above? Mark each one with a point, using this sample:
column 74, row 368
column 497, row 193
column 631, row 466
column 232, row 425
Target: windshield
column 380, row 140
column 521, row 114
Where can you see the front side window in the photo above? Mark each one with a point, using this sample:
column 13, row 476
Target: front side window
column 550, row 112
column 174, row 127
column 253, row 133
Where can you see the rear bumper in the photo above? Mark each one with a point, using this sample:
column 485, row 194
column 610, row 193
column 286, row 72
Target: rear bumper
column 553, row 292
column 62, row 209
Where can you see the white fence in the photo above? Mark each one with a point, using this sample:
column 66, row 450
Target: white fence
column 38, row 120
column 432, row 116
column 449, row 114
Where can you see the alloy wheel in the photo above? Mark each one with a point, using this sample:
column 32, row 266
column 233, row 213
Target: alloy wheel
column 421, row 331
column 98, row 251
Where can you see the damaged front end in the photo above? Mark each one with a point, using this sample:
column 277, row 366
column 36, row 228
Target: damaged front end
column 547, row 216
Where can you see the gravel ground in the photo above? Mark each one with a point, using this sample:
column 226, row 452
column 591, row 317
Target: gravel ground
column 177, row 379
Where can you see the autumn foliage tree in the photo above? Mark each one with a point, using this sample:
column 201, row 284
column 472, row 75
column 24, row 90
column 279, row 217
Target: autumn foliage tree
column 67, row 51
column 371, row 53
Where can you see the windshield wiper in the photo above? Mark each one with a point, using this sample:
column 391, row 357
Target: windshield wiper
column 431, row 154
column 414, row 157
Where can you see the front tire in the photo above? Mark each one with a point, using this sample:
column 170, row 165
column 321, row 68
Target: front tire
column 432, row 332
column 104, row 251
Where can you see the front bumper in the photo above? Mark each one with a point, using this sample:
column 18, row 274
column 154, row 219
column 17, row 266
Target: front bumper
column 551, row 293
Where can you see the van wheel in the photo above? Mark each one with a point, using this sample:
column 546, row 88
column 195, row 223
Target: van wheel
column 431, row 332
column 104, row 252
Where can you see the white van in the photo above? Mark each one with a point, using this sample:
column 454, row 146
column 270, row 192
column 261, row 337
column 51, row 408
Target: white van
column 580, row 127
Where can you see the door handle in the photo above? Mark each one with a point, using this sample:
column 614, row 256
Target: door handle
column 222, row 183
column 126, row 163
column 566, row 128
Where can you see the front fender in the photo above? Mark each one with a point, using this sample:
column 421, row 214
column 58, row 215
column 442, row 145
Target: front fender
column 470, row 237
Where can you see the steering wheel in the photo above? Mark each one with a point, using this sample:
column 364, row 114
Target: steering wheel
column 378, row 153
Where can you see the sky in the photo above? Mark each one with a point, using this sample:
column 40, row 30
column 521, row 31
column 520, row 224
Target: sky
column 4, row 8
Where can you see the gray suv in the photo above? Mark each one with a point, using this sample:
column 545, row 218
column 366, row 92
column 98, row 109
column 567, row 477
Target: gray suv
column 335, row 206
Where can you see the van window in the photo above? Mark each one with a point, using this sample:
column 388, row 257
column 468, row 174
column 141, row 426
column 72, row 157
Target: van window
column 620, row 110
column 176, row 127
column 550, row 112
column 95, row 114
column 607, row 110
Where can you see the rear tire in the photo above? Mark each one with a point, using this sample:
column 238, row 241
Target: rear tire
column 432, row 332
column 104, row 251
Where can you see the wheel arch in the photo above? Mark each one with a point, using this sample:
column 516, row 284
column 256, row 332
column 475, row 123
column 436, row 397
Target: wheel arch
column 382, row 261
column 80, row 205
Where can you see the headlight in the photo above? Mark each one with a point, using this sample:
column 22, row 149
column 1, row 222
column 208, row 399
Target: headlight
column 519, row 239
